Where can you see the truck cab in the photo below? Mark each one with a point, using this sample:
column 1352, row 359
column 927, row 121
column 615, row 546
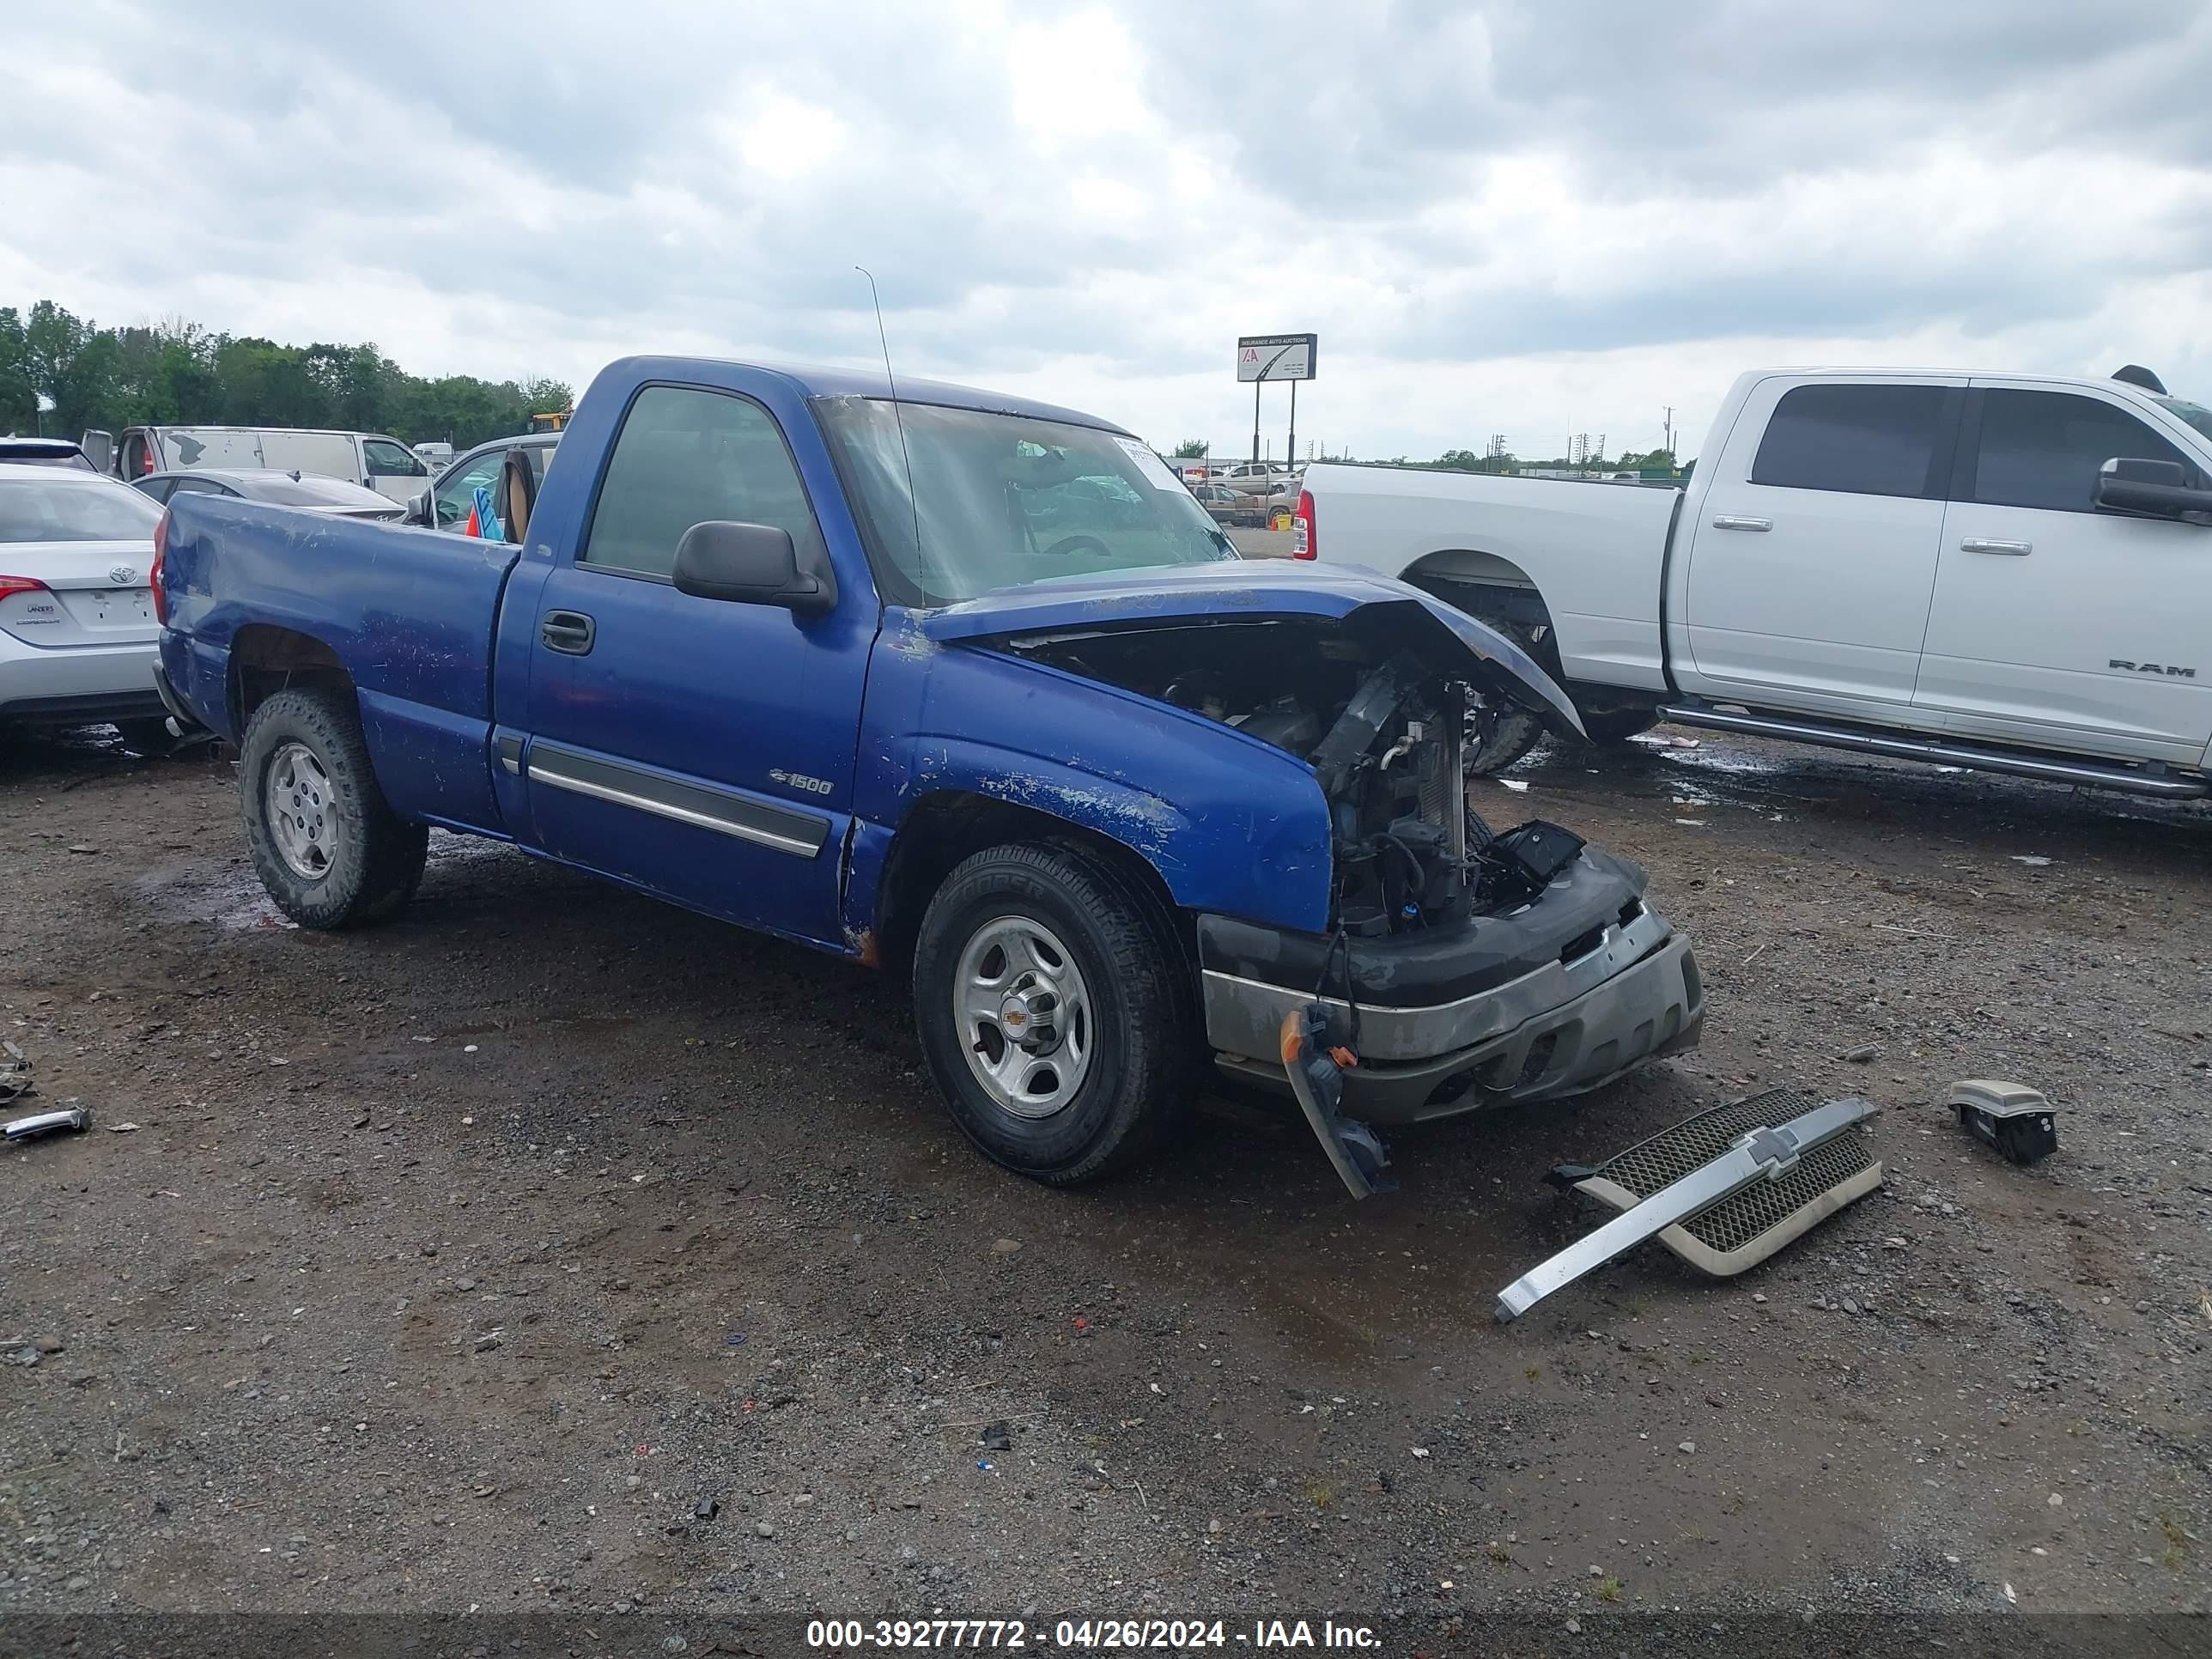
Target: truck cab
column 1932, row 549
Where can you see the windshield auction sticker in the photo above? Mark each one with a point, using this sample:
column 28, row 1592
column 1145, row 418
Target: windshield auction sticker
column 1155, row 469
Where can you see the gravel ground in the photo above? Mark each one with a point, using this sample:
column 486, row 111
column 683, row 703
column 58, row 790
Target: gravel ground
column 552, row 1248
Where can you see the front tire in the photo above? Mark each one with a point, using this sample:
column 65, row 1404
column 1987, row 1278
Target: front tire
column 1055, row 1011
column 325, row 843
column 1499, row 738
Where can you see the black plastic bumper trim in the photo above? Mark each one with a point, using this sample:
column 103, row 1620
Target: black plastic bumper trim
column 1422, row 968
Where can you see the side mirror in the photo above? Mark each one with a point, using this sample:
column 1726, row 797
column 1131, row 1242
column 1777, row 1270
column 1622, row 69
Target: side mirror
column 750, row 564
column 418, row 511
column 2129, row 486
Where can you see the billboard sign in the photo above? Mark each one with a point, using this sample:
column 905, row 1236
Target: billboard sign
column 1275, row 357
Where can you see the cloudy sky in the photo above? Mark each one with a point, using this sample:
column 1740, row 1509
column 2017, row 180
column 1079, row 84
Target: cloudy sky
column 1512, row 218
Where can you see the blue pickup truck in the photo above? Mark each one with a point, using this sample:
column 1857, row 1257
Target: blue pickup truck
column 958, row 684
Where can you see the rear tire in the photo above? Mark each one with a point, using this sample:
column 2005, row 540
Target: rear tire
column 1057, row 947
column 1618, row 725
column 327, row 845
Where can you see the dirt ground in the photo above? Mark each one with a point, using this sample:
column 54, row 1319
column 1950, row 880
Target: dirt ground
column 553, row 1248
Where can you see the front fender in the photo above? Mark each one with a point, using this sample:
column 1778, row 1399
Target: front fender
column 1231, row 825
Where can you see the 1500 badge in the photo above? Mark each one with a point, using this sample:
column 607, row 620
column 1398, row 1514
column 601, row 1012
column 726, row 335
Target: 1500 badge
column 2170, row 670
column 799, row 781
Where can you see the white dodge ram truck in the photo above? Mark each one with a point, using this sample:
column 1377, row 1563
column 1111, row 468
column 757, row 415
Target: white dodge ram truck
column 2011, row 573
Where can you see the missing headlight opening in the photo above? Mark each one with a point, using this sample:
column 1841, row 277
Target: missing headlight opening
column 1387, row 735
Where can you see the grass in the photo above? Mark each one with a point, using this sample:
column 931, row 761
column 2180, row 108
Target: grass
column 1608, row 1590
column 1533, row 1372
column 2177, row 1541
column 1320, row 1494
column 1500, row 1554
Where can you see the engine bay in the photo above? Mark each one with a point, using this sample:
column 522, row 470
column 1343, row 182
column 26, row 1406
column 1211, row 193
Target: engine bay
column 1386, row 737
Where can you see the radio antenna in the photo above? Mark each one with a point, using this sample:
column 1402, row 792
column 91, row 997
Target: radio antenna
column 920, row 559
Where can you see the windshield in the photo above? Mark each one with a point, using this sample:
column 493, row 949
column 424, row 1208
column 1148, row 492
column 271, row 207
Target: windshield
column 67, row 511
column 2195, row 414
column 1004, row 500
column 43, row 454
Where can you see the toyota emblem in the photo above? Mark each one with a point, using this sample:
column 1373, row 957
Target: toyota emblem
column 121, row 574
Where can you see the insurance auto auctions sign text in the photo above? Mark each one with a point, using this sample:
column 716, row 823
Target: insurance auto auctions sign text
column 1275, row 357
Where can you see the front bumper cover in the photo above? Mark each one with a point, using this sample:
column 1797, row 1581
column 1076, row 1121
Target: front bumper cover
column 1602, row 1004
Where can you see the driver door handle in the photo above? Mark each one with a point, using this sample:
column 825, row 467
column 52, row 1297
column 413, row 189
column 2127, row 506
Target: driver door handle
column 569, row 632
column 1736, row 521
column 1983, row 544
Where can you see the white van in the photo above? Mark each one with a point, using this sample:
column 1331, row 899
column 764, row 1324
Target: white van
column 369, row 459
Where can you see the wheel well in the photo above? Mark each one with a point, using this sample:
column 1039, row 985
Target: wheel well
column 1492, row 590
column 266, row 659
column 948, row 825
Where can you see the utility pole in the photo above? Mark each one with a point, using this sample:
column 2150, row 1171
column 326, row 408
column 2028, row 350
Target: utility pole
column 1291, row 445
column 1670, row 431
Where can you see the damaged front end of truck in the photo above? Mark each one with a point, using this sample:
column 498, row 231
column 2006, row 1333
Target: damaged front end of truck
column 1458, row 965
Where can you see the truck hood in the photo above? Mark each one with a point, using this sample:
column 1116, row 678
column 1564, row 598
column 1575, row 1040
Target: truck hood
column 1393, row 612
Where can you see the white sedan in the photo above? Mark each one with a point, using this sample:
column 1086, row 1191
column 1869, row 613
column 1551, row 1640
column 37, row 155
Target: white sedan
column 78, row 632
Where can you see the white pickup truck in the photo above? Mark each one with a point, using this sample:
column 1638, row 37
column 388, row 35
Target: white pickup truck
column 2012, row 573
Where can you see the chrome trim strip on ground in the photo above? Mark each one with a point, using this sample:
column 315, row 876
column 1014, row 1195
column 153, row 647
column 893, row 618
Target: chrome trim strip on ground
column 1759, row 1156
column 1727, row 1264
column 538, row 773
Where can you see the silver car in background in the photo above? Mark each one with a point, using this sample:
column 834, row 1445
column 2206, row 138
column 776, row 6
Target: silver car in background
column 77, row 629
column 304, row 490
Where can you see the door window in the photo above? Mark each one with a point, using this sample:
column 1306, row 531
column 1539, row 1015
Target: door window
column 156, row 489
column 686, row 457
column 1862, row 439
column 385, row 459
column 457, row 490
column 2043, row 448
column 202, row 487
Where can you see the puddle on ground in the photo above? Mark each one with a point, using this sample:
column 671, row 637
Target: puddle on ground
column 230, row 895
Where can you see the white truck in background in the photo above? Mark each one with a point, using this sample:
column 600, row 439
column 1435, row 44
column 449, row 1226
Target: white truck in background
column 2009, row 573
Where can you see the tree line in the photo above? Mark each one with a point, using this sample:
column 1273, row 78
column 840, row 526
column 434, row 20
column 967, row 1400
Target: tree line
column 1466, row 460
column 176, row 372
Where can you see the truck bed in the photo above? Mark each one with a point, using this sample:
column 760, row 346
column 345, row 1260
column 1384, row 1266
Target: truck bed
column 410, row 612
column 1600, row 548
